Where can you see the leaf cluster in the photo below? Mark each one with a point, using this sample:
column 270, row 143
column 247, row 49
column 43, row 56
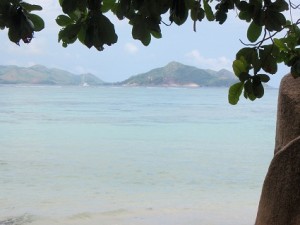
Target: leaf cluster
column 17, row 16
column 84, row 17
column 84, row 20
column 254, row 64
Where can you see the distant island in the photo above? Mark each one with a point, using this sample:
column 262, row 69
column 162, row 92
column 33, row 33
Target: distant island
column 41, row 75
column 173, row 74
column 177, row 74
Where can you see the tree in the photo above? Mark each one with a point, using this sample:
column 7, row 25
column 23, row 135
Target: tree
column 273, row 38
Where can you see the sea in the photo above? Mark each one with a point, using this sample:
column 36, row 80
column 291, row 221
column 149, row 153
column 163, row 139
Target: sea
column 132, row 155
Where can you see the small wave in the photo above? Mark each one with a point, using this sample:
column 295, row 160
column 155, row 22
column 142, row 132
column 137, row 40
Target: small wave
column 20, row 220
column 84, row 215
column 115, row 212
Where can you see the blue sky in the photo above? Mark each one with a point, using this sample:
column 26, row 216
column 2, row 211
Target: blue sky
column 212, row 47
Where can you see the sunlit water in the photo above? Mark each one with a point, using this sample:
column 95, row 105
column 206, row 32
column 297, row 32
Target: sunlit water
column 114, row 156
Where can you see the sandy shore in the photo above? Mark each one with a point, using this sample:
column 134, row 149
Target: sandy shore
column 143, row 217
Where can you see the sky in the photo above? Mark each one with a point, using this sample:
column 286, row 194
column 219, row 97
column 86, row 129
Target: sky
column 212, row 46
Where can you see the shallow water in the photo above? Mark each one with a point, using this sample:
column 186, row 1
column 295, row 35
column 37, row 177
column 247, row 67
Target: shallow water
column 73, row 155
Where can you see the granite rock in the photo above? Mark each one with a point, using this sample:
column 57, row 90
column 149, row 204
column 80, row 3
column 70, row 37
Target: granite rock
column 280, row 199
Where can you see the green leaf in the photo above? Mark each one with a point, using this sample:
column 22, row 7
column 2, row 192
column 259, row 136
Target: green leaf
column 106, row 30
column 156, row 34
column 96, row 31
column 244, row 15
column 243, row 6
column 69, row 33
column 75, row 15
column 295, row 69
column 28, row 7
column 268, row 61
column 292, row 39
column 291, row 60
column 208, row 11
column 38, row 22
column 194, row 13
column 107, row 5
column 254, row 31
column 274, row 21
column 63, row 20
column 264, row 77
column 221, row 16
column 69, row 6
column 249, row 56
column 81, row 34
column 140, row 31
column 239, row 67
column 201, row 14
column 179, row 12
column 81, row 5
column 189, row 3
column 280, row 44
column 86, row 34
column 258, row 89
column 279, row 6
column 235, row 92
column 153, row 27
column 244, row 76
column 259, row 18
column 14, row 35
column 269, row 64
column 248, row 90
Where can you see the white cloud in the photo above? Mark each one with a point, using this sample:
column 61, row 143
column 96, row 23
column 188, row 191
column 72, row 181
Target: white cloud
column 16, row 62
column 80, row 70
column 210, row 63
column 31, row 63
column 131, row 48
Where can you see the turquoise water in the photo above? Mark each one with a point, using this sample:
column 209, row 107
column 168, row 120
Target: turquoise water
column 74, row 155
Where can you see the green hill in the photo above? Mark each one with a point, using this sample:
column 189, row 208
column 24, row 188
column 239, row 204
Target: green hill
column 174, row 74
column 44, row 76
column 177, row 74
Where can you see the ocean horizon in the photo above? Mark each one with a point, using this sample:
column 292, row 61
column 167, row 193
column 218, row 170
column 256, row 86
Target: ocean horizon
column 132, row 155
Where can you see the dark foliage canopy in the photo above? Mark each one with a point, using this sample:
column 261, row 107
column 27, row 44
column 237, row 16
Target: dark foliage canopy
column 273, row 33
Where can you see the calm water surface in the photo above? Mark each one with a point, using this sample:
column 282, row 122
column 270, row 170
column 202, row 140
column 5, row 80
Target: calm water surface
column 116, row 156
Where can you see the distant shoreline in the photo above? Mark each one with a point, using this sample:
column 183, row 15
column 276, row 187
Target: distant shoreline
column 192, row 86
column 174, row 74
